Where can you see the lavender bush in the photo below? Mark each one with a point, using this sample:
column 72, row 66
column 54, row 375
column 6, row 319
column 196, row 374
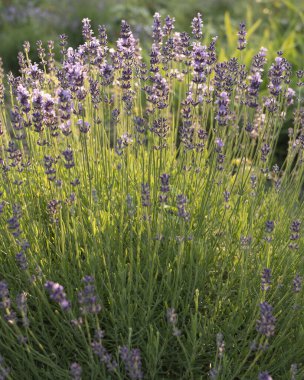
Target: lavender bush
column 147, row 231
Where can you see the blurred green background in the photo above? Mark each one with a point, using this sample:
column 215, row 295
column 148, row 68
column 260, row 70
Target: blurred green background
column 275, row 24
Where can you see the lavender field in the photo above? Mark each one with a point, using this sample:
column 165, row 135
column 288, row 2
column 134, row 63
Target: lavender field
column 149, row 227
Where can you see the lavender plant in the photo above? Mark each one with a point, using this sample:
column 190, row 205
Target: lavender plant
column 142, row 211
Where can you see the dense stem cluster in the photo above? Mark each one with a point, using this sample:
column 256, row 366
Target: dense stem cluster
column 142, row 196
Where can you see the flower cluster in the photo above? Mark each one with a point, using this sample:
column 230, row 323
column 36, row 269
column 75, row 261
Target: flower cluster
column 57, row 294
column 6, row 304
column 132, row 361
column 156, row 172
column 102, row 353
column 87, row 298
column 266, row 324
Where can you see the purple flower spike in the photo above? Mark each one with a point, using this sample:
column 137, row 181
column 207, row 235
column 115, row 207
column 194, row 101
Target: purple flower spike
column 5, row 303
column 181, row 201
column 69, row 158
column 86, row 29
column 297, row 283
column 269, row 226
column 266, row 279
column 145, row 195
column 87, row 298
column 75, row 371
column 164, row 187
column 266, row 324
column 200, row 60
column 242, row 36
column 264, row 376
column 223, row 110
column 132, row 361
column 102, row 353
column 84, row 126
column 169, row 25
column 57, row 294
column 197, row 26
column 219, row 142
column 157, row 33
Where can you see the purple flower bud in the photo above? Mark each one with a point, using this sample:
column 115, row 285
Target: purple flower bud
column 86, row 29
column 164, row 187
column 279, row 72
column 22, row 260
column 102, row 353
column 107, row 74
column 57, row 294
column 266, row 279
column 75, row 371
column 297, row 283
column 160, row 127
column 242, row 36
column 157, row 33
column 265, row 149
column 222, row 116
column 219, row 143
column 266, row 324
column 246, row 241
column 226, row 196
column 290, row 94
column 4, row 295
column 181, row 201
column 21, row 301
column 259, row 61
column 126, row 44
column 69, row 158
column 132, row 361
column 197, row 26
column 84, row 126
column 253, row 90
column 145, row 195
column 87, row 298
column 269, row 226
column 169, row 25
column 295, row 229
column 23, row 97
column 200, row 60
column 264, row 376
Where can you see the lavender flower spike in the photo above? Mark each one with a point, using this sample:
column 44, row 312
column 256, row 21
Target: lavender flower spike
column 132, row 361
column 164, row 187
column 87, row 298
column 264, row 376
column 297, row 283
column 102, row 353
column 157, row 32
column 75, row 371
column 223, row 110
column 57, row 294
column 242, row 36
column 266, row 324
column 197, row 26
column 181, row 201
column 266, row 279
column 145, row 195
